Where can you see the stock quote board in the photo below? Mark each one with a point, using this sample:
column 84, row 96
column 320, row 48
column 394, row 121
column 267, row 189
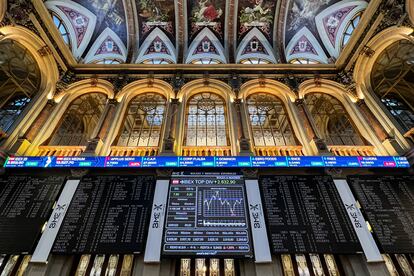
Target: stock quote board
column 207, row 215
column 388, row 204
column 305, row 214
column 25, row 205
column 107, row 215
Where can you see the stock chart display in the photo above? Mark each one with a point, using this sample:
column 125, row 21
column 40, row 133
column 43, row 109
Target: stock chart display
column 206, row 215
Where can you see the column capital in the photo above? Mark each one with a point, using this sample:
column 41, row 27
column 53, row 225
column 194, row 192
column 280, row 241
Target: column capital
column 112, row 102
column 299, row 102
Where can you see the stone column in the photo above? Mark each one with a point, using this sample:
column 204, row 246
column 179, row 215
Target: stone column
column 389, row 142
column 32, row 132
column 23, row 142
column 315, row 140
column 241, row 134
column 101, row 130
column 170, row 126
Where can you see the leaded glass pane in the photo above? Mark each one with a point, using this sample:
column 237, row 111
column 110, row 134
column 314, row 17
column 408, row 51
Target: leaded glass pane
column 143, row 122
column 206, row 121
column 19, row 81
column 332, row 120
column 268, row 121
column 79, row 121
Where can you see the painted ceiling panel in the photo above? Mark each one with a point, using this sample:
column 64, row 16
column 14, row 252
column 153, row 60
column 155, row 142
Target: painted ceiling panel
column 206, row 14
column 181, row 31
column 156, row 13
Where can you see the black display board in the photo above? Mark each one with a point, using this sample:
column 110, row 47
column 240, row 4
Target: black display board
column 207, row 215
column 26, row 203
column 388, row 204
column 305, row 214
column 107, row 215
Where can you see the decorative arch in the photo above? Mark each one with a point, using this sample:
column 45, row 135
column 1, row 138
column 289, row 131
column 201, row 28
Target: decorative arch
column 255, row 45
column 279, row 89
column 107, row 46
column 145, row 86
column 63, row 101
column 362, row 76
column 304, row 45
column 157, row 46
column 205, row 46
column 79, row 120
column 347, row 100
column 79, row 21
column 332, row 22
column 49, row 75
column 212, row 85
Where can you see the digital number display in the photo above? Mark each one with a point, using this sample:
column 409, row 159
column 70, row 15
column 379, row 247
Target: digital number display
column 207, row 216
column 207, row 162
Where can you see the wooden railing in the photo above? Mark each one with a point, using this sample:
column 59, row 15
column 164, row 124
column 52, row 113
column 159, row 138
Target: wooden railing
column 352, row 150
column 206, row 151
column 410, row 134
column 278, row 151
column 133, row 151
column 60, row 150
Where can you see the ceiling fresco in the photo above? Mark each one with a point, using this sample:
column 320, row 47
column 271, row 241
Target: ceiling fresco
column 153, row 14
column 265, row 31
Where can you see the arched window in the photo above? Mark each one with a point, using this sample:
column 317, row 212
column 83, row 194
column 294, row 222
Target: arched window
column 61, row 28
column 206, row 61
column 392, row 80
column 79, row 121
column 206, row 120
column 19, row 81
column 254, row 61
column 332, row 120
column 303, row 61
column 143, row 122
column 269, row 122
column 353, row 23
column 157, row 61
column 108, row 61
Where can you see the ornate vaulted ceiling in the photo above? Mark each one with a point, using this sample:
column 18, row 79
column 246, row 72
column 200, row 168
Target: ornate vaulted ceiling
column 205, row 31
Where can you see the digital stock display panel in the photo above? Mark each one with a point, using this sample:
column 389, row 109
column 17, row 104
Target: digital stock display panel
column 207, row 215
column 25, row 205
column 388, row 204
column 305, row 214
column 206, row 162
column 107, row 215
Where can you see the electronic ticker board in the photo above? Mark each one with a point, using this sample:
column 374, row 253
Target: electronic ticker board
column 388, row 204
column 107, row 215
column 305, row 214
column 25, row 205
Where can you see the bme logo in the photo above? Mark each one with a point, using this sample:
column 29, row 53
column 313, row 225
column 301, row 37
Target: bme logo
column 157, row 215
column 255, row 211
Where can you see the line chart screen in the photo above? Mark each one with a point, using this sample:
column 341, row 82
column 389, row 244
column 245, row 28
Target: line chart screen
column 207, row 215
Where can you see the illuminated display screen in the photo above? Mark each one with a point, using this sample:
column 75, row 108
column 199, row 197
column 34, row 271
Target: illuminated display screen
column 388, row 204
column 206, row 161
column 206, row 215
column 305, row 214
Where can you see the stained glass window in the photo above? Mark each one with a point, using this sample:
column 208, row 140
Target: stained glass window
column 206, row 120
column 332, row 120
column 19, row 81
column 143, row 122
column 269, row 122
column 79, row 121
